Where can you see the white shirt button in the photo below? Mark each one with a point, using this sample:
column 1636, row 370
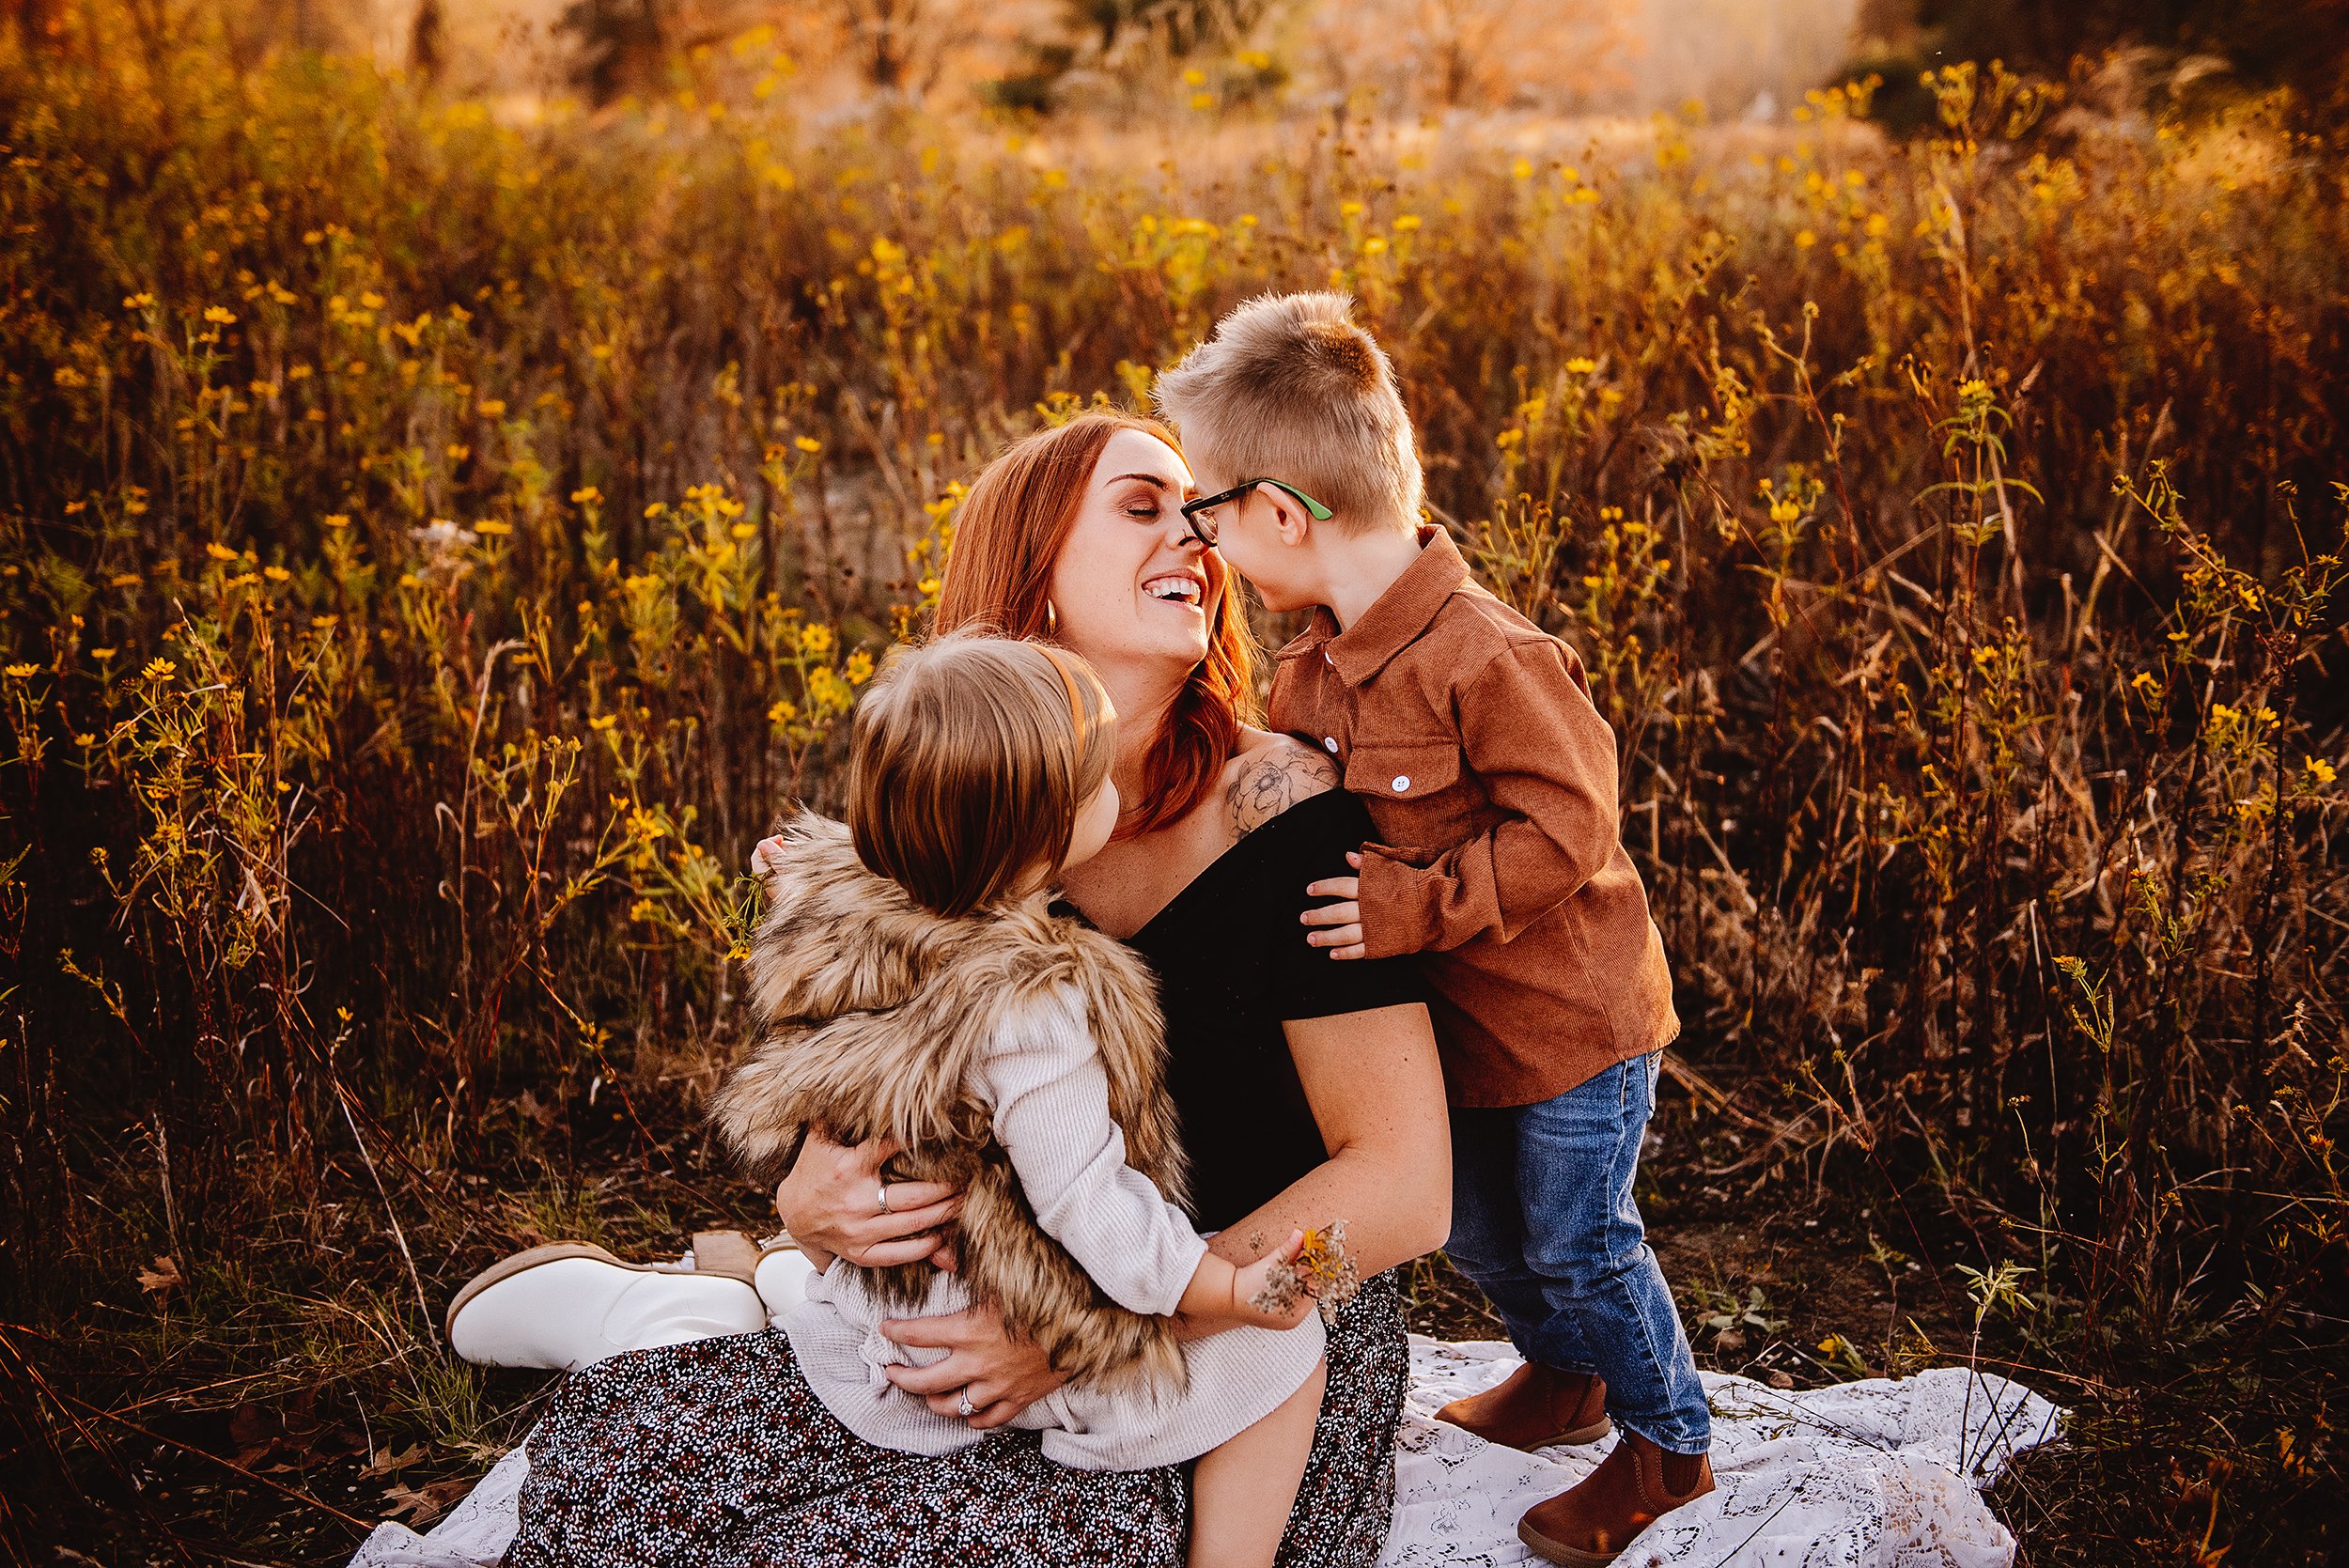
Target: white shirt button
column 1330, row 741
column 1402, row 782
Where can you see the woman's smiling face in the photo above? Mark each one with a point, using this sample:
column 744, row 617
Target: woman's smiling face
column 1131, row 583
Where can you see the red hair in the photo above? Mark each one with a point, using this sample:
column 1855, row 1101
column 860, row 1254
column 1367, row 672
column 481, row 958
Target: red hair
column 1009, row 531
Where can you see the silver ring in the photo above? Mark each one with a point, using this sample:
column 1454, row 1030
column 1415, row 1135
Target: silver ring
column 963, row 1406
column 880, row 1196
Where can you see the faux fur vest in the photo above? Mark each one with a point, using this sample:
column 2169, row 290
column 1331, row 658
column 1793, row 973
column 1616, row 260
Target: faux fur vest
column 875, row 1014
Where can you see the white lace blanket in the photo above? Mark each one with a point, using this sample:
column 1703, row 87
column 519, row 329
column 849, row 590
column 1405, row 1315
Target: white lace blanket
column 1879, row 1474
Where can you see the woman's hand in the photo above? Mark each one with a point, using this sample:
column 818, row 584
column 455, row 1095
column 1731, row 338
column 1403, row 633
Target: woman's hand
column 833, row 1204
column 998, row 1374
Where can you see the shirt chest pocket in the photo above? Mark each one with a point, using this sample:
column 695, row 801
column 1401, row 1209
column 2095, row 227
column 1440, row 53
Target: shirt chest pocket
column 1416, row 793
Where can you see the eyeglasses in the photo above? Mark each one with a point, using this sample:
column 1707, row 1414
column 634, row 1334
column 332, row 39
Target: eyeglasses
column 1205, row 528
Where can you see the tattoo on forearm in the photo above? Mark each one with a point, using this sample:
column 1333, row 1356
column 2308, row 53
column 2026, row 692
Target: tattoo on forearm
column 1269, row 787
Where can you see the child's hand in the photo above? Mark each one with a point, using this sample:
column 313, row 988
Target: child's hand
column 1344, row 939
column 1266, row 1293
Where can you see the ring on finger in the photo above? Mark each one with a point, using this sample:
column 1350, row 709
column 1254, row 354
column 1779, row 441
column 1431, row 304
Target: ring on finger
column 880, row 1196
column 963, row 1406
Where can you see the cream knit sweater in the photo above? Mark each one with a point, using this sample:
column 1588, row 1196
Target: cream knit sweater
column 1050, row 1102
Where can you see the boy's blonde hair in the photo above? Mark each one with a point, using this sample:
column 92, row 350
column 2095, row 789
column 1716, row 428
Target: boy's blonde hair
column 968, row 761
column 1289, row 388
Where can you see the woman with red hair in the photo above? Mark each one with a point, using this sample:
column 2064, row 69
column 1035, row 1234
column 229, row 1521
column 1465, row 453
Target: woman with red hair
column 1307, row 1091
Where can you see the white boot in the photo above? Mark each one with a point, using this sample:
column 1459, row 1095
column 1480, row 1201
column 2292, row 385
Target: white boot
column 570, row 1305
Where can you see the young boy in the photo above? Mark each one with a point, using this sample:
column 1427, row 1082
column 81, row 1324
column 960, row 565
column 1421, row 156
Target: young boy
column 1491, row 778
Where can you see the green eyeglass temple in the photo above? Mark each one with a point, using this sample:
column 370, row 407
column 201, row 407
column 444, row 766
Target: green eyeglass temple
column 1193, row 509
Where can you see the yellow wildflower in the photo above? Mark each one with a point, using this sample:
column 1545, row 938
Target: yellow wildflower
column 603, row 722
column 808, row 443
column 492, row 527
column 586, row 495
column 816, row 639
column 21, row 672
column 219, row 316
column 159, row 670
column 2320, row 772
column 1582, row 365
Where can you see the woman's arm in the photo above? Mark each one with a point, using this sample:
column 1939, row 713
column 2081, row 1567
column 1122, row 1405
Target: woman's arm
column 831, row 1204
column 1377, row 1093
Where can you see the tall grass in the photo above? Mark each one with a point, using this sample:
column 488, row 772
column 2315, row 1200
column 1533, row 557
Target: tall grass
column 432, row 547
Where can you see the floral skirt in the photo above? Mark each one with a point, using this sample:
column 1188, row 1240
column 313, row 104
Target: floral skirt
column 718, row 1454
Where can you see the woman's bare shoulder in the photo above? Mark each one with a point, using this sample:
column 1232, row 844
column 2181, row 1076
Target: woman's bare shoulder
column 1267, row 775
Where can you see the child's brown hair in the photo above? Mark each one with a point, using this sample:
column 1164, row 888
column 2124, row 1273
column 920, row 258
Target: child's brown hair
column 1289, row 388
column 968, row 762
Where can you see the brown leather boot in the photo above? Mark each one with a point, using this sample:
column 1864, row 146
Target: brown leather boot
column 1534, row 1407
column 1590, row 1523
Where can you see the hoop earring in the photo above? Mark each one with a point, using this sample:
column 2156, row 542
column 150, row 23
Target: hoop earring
column 1052, row 619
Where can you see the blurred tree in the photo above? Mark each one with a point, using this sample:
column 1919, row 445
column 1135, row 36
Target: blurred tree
column 907, row 47
column 1470, row 54
column 427, row 42
column 1182, row 26
column 621, row 43
column 38, row 24
column 2302, row 44
column 888, row 35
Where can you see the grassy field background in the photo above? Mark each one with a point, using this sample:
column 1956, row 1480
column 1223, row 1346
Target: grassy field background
column 436, row 539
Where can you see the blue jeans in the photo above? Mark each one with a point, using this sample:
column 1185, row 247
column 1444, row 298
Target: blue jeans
column 1544, row 1221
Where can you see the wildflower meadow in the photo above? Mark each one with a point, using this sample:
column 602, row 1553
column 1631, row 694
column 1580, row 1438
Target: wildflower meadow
column 437, row 541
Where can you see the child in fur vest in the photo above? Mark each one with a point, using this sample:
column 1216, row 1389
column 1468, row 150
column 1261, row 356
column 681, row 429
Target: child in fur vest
column 916, row 987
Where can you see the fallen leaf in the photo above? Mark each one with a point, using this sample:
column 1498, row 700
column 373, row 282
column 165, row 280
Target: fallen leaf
column 163, row 1279
column 422, row 1504
column 1782, row 1380
column 385, row 1463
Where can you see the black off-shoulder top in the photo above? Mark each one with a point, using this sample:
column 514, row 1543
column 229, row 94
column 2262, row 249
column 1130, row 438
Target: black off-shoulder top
column 1233, row 966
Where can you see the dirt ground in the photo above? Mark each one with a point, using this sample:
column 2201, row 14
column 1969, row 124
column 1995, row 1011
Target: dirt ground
column 1782, row 1284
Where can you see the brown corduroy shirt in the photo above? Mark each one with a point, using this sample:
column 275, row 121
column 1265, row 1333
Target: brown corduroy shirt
column 1470, row 734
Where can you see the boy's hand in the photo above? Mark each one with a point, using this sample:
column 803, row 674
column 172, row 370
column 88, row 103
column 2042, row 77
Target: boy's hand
column 1344, row 920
